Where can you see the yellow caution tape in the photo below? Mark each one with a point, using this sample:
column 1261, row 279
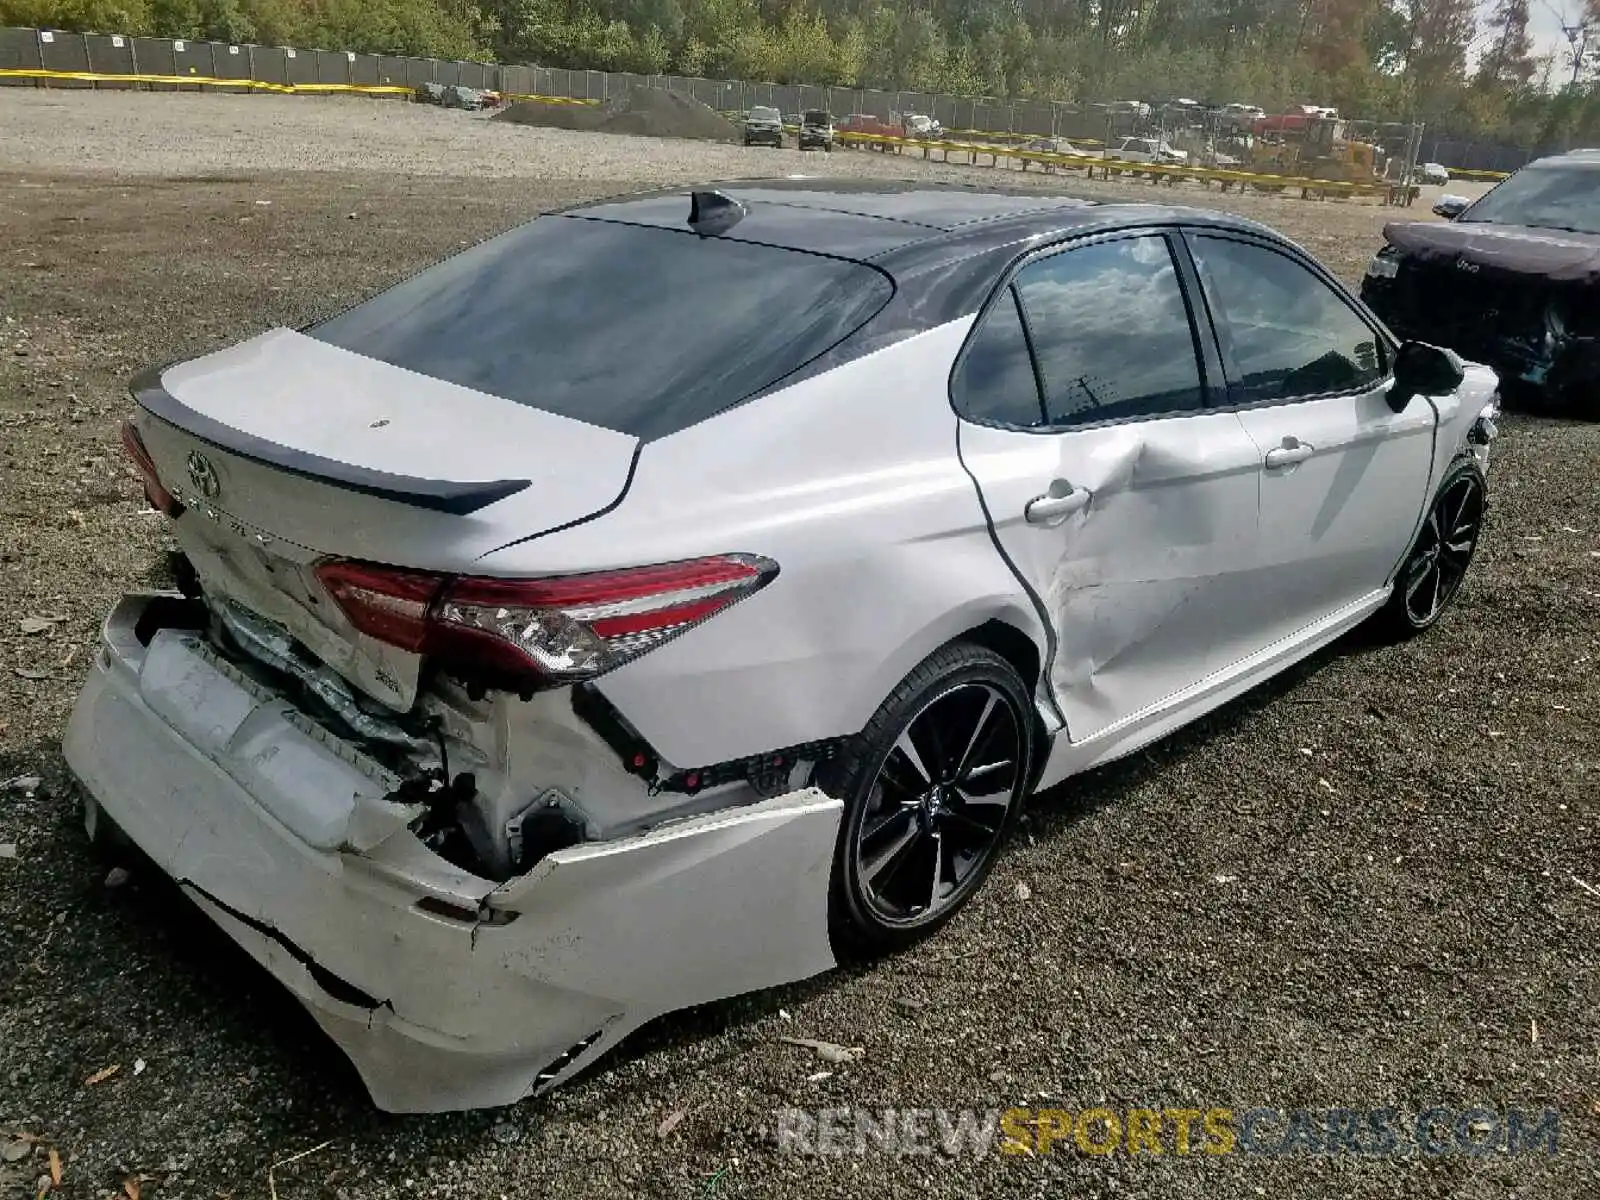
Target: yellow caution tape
column 1121, row 166
column 262, row 85
column 209, row 81
column 543, row 99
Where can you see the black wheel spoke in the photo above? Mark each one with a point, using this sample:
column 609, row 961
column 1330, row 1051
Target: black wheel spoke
column 905, row 883
column 936, row 893
column 978, row 741
column 881, row 867
column 963, row 825
column 906, row 747
column 973, row 774
column 886, row 819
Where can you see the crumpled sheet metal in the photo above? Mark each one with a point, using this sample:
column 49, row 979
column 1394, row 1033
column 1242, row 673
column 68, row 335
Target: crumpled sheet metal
column 1171, row 547
column 504, row 991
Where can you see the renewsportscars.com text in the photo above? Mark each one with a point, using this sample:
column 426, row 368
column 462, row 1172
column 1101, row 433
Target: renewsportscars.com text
column 1435, row 1131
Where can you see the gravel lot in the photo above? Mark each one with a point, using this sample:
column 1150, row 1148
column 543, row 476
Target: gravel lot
column 1370, row 884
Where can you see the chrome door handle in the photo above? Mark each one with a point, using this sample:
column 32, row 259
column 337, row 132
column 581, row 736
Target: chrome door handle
column 1056, row 505
column 1292, row 451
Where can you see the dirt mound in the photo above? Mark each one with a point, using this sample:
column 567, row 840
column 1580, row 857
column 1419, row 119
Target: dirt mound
column 644, row 112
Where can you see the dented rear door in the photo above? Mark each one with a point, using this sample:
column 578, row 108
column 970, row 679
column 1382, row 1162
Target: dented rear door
column 1127, row 509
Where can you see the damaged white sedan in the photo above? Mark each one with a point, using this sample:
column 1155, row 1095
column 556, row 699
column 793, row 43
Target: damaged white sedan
column 653, row 602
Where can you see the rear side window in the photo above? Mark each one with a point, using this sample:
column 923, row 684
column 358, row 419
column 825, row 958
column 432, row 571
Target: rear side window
column 634, row 328
column 994, row 382
column 1111, row 332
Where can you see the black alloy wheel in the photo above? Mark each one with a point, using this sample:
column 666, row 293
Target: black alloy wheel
column 932, row 788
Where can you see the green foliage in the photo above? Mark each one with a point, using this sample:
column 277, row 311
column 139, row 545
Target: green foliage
column 1381, row 59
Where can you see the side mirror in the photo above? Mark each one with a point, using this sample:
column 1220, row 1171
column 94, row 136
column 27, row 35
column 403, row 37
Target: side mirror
column 1423, row 370
column 1451, row 207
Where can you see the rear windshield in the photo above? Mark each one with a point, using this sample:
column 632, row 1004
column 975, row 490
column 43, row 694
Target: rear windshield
column 815, row 116
column 764, row 114
column 635, row 328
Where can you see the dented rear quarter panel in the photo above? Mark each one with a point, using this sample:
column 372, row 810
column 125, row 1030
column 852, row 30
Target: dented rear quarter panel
column 851, row 483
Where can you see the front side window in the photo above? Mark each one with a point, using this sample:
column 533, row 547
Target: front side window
column 1288, row 333
column 1111, row 332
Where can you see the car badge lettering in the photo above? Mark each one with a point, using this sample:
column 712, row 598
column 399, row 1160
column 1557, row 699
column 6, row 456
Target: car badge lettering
column 1463, row 265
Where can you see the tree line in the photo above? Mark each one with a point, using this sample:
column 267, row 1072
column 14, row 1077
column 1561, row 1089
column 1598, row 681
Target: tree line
column 1430, row 60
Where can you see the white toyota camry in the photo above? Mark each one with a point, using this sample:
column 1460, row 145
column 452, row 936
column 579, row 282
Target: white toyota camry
column 672, row 594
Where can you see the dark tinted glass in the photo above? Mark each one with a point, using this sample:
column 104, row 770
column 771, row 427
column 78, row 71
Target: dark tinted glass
column 1111, row 332
column 995, row 380
column 638, row 329
column 1563, row 198
column 1291, row 335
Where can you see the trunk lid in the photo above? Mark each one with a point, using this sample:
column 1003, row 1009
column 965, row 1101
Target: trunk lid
column 286, row 450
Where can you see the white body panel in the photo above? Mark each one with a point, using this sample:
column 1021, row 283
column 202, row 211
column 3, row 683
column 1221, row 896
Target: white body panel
column 1145, row 582
column 851, row 483
column 1336, row 523
column 293, row 390
column 457, row 1013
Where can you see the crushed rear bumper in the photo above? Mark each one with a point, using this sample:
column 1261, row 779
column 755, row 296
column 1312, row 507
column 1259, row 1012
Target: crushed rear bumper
column 446, row 991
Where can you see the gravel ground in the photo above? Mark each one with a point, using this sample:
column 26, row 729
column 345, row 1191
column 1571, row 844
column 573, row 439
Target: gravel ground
column 1370, row 883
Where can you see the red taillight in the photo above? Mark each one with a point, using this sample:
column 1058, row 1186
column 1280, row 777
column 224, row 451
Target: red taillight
column 159, row 497
column 540, row 632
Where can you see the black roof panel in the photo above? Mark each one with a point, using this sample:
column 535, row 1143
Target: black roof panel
column 889, row 220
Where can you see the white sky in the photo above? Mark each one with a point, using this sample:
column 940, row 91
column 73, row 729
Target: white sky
column 1545, row 26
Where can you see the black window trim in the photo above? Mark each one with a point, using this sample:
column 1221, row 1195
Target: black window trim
column 1387, row 346
column 1168, row 231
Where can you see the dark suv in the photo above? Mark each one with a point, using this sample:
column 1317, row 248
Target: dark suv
column 1512, row 280
column 763, row 126
column 816, row 130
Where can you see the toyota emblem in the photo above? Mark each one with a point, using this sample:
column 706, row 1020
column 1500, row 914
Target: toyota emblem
column 203, row 475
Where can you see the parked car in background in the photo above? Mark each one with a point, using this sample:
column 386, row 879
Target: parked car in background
column 1052, row 145
column 520, row 688
column 1147, row 150
column 430, row 93
column 1511, row 279
column 470, row 99
column 763, row 126
column 1132, row 108
column 920, row 125
column 1434, row 174
column 1241, row 116
column 816, row 130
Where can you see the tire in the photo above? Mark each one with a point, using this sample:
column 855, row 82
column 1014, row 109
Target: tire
column 1435, row 566
column 902, row 826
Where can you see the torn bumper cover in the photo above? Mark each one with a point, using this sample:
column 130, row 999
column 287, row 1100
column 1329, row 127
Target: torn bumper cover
column 447, row 991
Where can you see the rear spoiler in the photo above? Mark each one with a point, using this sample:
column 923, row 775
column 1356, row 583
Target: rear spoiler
column 436, row 495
